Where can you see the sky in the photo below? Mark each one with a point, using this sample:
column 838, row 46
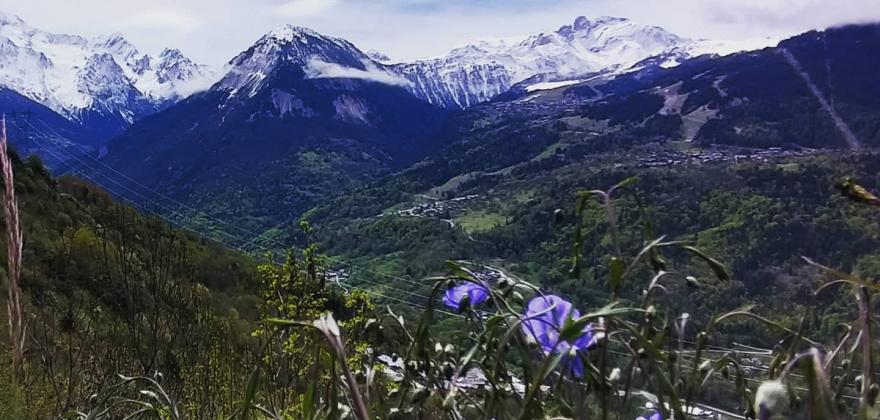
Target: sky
column 213, row 31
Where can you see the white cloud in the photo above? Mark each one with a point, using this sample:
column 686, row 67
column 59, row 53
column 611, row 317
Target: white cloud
column 173, row 19
column 305, row 8
column 217, row 30
column 317, row 69
column 791, row 15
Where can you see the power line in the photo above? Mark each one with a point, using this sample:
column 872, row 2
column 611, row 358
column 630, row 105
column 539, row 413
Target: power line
column 199, row 213
column 196, row 213
column 93, row 173
column 92, row 170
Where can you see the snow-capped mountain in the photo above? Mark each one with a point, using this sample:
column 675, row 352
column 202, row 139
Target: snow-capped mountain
column 103, row 80
column 288, row 45
column 302, row 107
column 378, row 56
column 482, row 70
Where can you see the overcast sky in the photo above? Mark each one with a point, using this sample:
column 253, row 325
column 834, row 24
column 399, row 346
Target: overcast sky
column 213, row 31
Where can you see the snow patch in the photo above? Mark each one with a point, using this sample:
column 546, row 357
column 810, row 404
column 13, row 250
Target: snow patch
column 551, row 85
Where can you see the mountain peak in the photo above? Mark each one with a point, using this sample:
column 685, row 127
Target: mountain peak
column 172, row 54
column 583, row 23
column 610, row 19
column 10, row 19
column 291, row 33
column 577, row 50
column 291, row 47
column 298, row 45
column 378, row 56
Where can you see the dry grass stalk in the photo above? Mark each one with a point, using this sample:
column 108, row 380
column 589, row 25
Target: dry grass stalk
column 14, row 247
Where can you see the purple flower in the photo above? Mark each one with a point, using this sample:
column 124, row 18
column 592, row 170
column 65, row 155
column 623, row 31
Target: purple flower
column 654, row 416
column 464, row 295
column 546, row 316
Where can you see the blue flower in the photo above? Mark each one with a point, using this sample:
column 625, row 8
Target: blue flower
column 544, row 319
column 465, row 295
column 654, row 416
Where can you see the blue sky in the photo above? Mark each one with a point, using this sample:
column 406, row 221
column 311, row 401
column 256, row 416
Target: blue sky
column 213, row 31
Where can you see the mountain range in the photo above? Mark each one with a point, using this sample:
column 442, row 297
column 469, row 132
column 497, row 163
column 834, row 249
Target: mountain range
column 300, row 117
column 297, row 117
column 105, row 84
column 479, row 71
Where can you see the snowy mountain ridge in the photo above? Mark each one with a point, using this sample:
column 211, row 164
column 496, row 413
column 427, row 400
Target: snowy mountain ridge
column 101, row 77
column 479, row 71
column 107, row 82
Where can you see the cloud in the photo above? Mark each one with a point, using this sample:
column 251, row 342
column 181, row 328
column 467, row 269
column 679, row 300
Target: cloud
column 317, row 69
column 792, row 13
column 176, row 20
column 305, row 8
column 217, row 30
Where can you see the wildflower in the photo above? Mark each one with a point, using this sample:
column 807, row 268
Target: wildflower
column 546, row 316
column 653, row 416
column 465, row 295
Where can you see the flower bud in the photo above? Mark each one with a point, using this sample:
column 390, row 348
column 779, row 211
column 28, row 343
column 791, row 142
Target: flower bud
column 772, row 398
column 614, row 376
column 412, row 367
column 518, row 298
column 449, row 402
column 397, row 414
column 873, row 391
column 448, row 371
column 558, row 216
column 371, row 323
column 420, row 396
column 705, row 366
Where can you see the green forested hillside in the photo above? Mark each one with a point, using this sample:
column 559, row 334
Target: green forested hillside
column 109, row 291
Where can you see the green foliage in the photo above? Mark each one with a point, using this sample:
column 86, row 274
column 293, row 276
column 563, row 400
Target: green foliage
column 12, row 396
column 755, row 217
column 110, row 291
column 113, row 292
